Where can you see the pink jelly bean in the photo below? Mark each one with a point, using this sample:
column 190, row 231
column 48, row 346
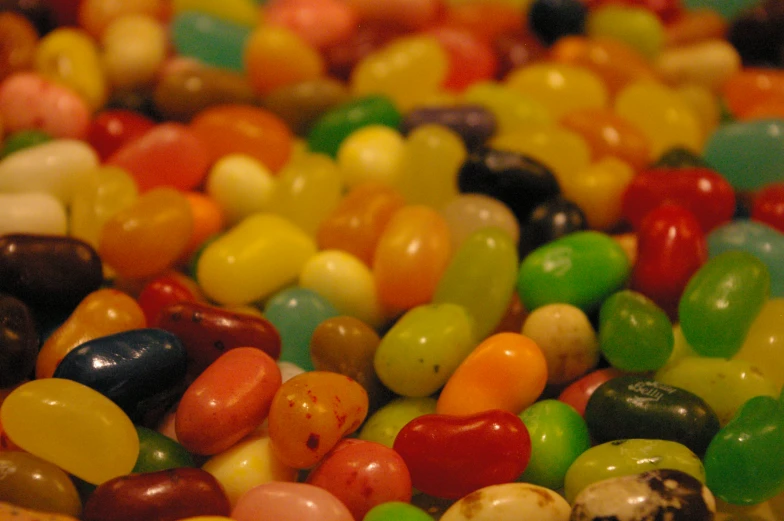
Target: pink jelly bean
column 28, row 101
column 279, row 501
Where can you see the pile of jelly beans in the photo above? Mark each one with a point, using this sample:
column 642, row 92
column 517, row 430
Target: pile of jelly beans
column 335, row 260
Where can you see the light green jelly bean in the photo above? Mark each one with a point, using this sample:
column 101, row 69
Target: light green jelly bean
column 581, row 269
column 721, row 301
column 636, row 26
column 421, row 351
column 724, row 384
column 628, row 457
column 396, row 511
column 384, row 424
column 481, row 277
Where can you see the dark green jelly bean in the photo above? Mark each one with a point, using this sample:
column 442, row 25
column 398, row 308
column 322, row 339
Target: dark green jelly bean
column 23, row 139
column 721, row 301
column 658, row 494
column 300, row 105
column 634, row 333
column 159, row 452
column 634, row 406
column 190, row 30
column 581, row 269
column 18, row 341
column 48, row 272
column 473, row 123
column 333, row 127
column 678, row 157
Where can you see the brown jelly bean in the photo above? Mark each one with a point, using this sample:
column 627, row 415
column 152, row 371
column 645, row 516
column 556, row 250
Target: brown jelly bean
column 301, row 104
column 18, row 341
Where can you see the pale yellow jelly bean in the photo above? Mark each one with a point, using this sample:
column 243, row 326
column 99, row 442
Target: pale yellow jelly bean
column 257, row 257
column 346, row 282
column 372, row 153
column 764, row 342
column 512, row 109
column 241, row 185
column 468, row 213
column 662, row 115
column 33, row 212
column 243, row 12
column 560, row 87
column 134, row 48
column 307, row 190
column 55, row 167
column 432, row 158
column 70, row 57
column 510, row 502
column 104, row 192
column 598, row 191
column 567, row 340
column 247, row 464
column 708, row 63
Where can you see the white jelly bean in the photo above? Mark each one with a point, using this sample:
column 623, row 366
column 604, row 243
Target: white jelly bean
column 36, row 213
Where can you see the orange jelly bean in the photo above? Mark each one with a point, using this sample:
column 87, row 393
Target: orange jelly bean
column 19, row 38
column 208, row 219
column 103, row 312
column 96, row 15
column 149, row 236
column 506, row 371
column 484, row 19
column 243, row 129
column 693, row 26
column 750, row 88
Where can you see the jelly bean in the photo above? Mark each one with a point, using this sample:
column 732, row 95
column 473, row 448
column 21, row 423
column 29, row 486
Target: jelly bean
column 72, row 426
column 634, row 333
column 321, row 23
column 373, row 153
column 289, row 502
column 71, row 57
column 729, row 9
column 768, row 206
column 208, row 331
column 634, row 25
column 363, row 474
column 384, row 425
column 301, row 104
column 159, row 452
column 254, row 259
column 550, row 220
column 367, row 37
column 486, row 20
column 96, row 15
column 452, row 456
column 243, row 12
column 243, row 129
column 505, row 501
column 764, row 342
column 23, row 139
column 30, row 482
column 471, row 58
column 551, row 20
column 721, row 301
column 49, row 272
column 561, row 271
column 329, row 131
column 567, row 341
column 597, row 190
column 751, row 87
column 635, row 406
column 189, row 30
column 18, row 341
column 473, row 123
column 147, row 237
column 654, row 493
column 469, row 213
column 579, row 392
column 671, row 248
column 24, row 514
column 102, row 312
column 55, row 167
column 241, row 185
column 724, row 384
column 20, row 39
column 755, row 33
column 30, row 101
column 167, row 289
column 227, row 401
column 704, row 103
column 626, row 458
column 512, row 109
column 166, row 495
column 311, row 413
column 560, row 87
column 755, row 145
column 32, row 213
column 413, row 14
column 695, row 25
column 296, row 313
column 708, row 63
column 111, row 129
column 132, row 67
column 246, row 465
column 396, row 511
column 208, row 221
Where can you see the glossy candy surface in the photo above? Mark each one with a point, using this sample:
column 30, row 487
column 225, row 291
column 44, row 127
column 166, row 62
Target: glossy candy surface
column 18, row 341
column 31, row 482
column 289, row 502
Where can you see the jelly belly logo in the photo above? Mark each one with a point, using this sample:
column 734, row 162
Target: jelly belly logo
column 648, row 392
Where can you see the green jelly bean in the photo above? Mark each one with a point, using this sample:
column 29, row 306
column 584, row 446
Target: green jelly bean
column 628, row 457
column 189, row 31
column 332, row 128
column 396, row 511
column 729, row 9
column 23, row 139
column 744, row 464
column 558, row 436
column 384, row 424
column 421, row 351
column 481, row 277
column 721, row 301
column 581, row 269
column 634, row 333
column 725, row 385
column 159, row 452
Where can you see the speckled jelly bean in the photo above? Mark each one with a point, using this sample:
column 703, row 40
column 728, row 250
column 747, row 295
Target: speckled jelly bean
column 764, row 341
column 32, row 213
column 506, row 501
column 132, row 67
column 276, row 57
column 384, row 424
column 189, row 30
column 31, row 482
column 159, row 452
column 289, row 502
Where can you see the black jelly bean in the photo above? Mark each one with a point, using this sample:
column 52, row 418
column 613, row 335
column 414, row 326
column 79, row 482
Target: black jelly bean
column 552, row 19
column 18, row 341
column 549, row 221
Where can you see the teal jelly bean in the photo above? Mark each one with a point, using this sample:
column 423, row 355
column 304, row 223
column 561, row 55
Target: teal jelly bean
column 159, row 452
column 558, row 436
column 296, row 313
column 748, row 154
column 481, row 277
column 384, row 424
column 209, row 39
column 744, row 464
column 634, row 333
column 721, row 301
column 581, row 269
column 23, row 139
column 396, row 511
column 729, row 9
column 759, row 239
column 332, row 128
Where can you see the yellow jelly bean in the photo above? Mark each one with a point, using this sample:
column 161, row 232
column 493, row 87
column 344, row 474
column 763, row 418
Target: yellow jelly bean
column 70, row 57
column 598, row 191
column 371, row 153
column 636, row 26
column 72, row 426
column 277, row 57
column 764, row 344
column 134, row 48
column 243, row 12
column 705, row 105
column 560, row 87
column 254, row 259
column 512, row 109
column 241, row 185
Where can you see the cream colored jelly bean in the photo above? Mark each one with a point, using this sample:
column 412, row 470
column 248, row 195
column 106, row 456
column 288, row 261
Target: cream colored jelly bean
column 241, row 185
column 33, row 212
column 510, row 502
column 134, row 48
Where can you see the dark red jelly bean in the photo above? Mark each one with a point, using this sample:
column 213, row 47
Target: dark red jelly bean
column 768, row 206
column 113, row 128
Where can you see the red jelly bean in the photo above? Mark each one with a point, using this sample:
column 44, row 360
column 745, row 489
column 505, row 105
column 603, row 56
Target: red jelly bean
column 768, row 206
column 165, row 290
column 470, row 59
column 579, row 392
column 112, row 129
